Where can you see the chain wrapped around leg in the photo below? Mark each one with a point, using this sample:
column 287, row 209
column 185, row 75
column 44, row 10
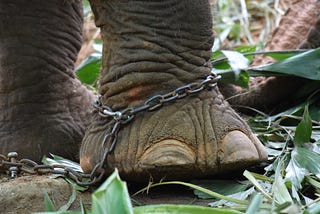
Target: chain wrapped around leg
column 14, row 166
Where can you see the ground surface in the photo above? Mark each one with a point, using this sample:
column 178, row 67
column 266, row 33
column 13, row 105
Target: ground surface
column 26, row 194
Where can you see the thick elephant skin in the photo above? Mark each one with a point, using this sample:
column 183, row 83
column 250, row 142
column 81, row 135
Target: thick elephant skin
column 43, row 106
column 151, row 48
column 299, row 29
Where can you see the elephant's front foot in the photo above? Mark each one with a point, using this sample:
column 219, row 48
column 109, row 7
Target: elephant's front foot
column 197, row 136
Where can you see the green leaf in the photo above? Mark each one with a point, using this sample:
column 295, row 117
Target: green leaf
column 221, row 64
column 235, row 32
column 228, row 76
column 216, row 54
column 306, row 65
column 247, row 51
column 302, row 162
column 304, row 129
column 49, row 206
column 62, row 212
column 313, row 182
column 280, row 192
column 209, row 192
column 56, row 159
column 282, row 55
column 294, row 172
column 83, row 208
column 255, row 204
column 183, row 209
column 313, row 209
column 307, row 159
column 221, row 37
column 287, row 207
column 224, row 187
column 112, row 197
column 72, row 199
column 88, row 71
column 255, row 182
column 243, row 195
column 231, row 68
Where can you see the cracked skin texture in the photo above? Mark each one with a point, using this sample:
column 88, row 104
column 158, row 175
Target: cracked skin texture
column 151, row 48
column 197, row 136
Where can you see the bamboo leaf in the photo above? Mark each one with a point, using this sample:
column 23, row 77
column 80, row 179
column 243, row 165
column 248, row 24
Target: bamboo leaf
column 280, row 192
column 295, row 173
column 304, row 129
column 185, row 209
column 209, row 192
column 307, row 159
column 72, row 199
column 112, row 197
column 243, row 195
column 282, row 55
column 49, row 206
column 255, row 204
column 88, row 71
column 224, row 187
column 255, row 182
column 306, row 65
column 303, row 161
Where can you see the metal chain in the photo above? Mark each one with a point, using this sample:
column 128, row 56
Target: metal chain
column 14, row 167
column 157, row 101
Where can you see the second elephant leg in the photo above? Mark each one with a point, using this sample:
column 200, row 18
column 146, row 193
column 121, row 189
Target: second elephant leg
column 298, row 29
column 151, row 48
column 43, row 107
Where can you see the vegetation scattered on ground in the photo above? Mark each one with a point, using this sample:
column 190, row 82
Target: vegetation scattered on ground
column 290, row 182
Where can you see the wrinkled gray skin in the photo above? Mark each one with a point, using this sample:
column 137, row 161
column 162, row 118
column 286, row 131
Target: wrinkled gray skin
column 150, row 47
column 43, row 107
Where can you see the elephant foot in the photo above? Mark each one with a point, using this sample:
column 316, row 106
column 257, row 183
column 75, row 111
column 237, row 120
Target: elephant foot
column 53, row 121
column 43, row 107
column 298, row 29
column 268, row 94
column 195, row 137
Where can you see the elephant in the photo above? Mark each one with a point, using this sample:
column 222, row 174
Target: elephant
column 150, row 48
column 299, row 28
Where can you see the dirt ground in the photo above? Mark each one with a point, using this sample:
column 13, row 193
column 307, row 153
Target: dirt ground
column 26, row 194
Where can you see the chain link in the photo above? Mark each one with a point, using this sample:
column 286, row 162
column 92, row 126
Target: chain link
column 14, row 167
column 157, row 101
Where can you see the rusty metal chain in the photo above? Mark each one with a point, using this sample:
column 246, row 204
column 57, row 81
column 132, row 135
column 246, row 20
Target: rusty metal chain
column 14, row 167
column 157, row 101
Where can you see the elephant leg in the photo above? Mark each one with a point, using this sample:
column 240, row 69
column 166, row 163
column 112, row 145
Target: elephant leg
column 43, row 107
column 151, row 48
column 298, row 29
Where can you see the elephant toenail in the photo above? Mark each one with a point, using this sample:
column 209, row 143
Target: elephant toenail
column 169, row 152
column 238, row 148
